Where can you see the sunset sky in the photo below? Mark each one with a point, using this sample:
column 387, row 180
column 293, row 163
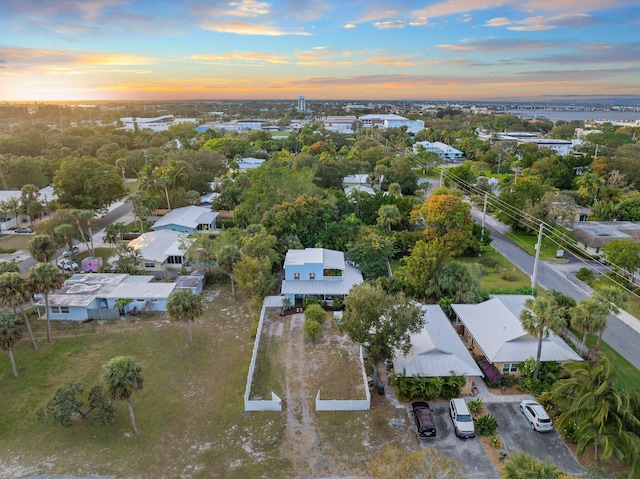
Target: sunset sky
column 323, row 49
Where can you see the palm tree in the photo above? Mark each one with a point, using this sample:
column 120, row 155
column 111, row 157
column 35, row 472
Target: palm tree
column 185, row 306
column 616, row 299
column 522, row 465
column 45, row 278
column 388, row 215
column 65, row 234
column 589, row 399
column 542, row 316
column 84, row 219
column 226, row 259
column 14, row 292
column 589, row 316
column 122, row 377
column 42, row 248
column 113, row 234
column 10, row 334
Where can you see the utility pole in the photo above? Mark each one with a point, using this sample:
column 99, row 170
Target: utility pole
column 441, row 175
column 537, row 260
column 484, row 210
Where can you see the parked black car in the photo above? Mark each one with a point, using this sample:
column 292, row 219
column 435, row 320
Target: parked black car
column 425, row 423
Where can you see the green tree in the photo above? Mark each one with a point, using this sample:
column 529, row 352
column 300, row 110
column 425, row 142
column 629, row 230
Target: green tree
column 42, row 248
column 542, row 316
column 616, row 299
column 45, row 278
column 383, row 323
column 522, row 465
column 87, row 183
column 315, row 312
column 122, row 377
column 66, row 404
column 14, row 292
column 623, row 255
column 371, row 251
column 9, row 267
column 589, row 316
column 388, row 215
column 226, row 259
column 113, row 234
column 85, row 221
column 31, row 201
column 453, row 280
column 185, row 306
column 10, row 334
column 312, row 328
column 254, row 276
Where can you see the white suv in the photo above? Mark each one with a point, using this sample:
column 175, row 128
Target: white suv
column 461, row 417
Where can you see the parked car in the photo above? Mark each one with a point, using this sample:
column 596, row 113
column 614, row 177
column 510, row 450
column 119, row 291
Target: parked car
column 461, row 417
column 38, row 297
column 68, row 265
column 74, row 251
column 24, row 229
column 425, row 424
column 536, row 415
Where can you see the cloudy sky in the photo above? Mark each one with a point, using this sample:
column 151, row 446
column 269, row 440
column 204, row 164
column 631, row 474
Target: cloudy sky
column 323, row 49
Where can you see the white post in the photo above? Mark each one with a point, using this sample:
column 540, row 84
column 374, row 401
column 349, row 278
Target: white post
column 537, row 260
column 441, row 175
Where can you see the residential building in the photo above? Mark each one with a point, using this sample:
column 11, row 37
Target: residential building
column 161, row 250
column 159, row 123
column 493, row 329
column 390, row 120
column 437, row 351
column 249, row 163
column 318, row 272
column 340, row 124
column 188, row 219
column 591, row 236
column 444, row 151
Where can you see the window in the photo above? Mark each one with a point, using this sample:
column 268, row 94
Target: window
column 312, row 276
column 510, row 367
column 149, row 265
column 60, row 309
column 296, row 275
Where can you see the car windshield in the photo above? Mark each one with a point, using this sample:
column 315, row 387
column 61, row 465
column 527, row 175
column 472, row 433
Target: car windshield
column 545, row 421
column 464, row 418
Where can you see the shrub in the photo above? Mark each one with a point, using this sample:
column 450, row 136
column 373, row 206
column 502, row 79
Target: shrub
column 308, row 301
column 338, row 304
column 452, row 387
column 316, row 313
column 486, row 425
column 496, row 442
column 509, row 275
column 489, row 262
column 491, row 375
column 586, row 275
column 571, row 432
column 475, row 407
column 312, row 328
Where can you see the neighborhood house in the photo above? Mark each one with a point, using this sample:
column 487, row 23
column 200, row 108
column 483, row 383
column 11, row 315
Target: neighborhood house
column 160, row 250
column 189, row 219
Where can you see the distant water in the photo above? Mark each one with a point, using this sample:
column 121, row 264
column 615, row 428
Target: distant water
column 555, row 115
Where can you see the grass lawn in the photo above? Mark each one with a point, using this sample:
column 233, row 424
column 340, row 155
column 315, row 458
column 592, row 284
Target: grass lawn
column 528, row 243
column 189, row 414
column 504, row 276
column 9, row 242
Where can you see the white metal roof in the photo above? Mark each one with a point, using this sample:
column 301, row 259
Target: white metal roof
column 330, row 259
column 187, row 216
column 437, row 350
column 496, row 328
column 159, row 245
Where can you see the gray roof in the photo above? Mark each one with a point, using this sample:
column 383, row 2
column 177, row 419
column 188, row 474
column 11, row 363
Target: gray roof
column 158, row 245
column 496, row 328
column 351, row 276
column 188, row 217
column 596, row 234
column 437, row 350
column 330, row 259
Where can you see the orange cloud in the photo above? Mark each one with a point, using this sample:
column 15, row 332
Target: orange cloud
column 249, row 57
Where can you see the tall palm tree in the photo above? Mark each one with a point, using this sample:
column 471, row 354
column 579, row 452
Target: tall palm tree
column 185, row 306
column 589, row 316
column 10, row 334
column 42, row 248
column 45, row 278
column 113, row 234
column 388, row 215
column 122, row 377
column 542, row 316
column 65, row 233
column 85, row 219
column 14, row 292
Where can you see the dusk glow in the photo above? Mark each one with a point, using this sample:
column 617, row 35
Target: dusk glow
column 453, row 49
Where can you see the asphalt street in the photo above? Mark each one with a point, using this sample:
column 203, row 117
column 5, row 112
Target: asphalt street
column 619, row 334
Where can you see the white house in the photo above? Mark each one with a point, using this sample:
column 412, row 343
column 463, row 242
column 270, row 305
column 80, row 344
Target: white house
column 493, row 329
column 318, row 272
column 390, row 120
column 159, row 123
column 249, row 163
column 437, row 351
column 161, row 250
column 444, row 151
column 341, row 124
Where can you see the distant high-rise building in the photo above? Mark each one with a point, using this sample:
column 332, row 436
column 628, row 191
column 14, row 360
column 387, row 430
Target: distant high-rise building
column 301, row 105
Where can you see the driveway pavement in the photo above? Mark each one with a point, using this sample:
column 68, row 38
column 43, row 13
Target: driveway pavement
column 516, row 434
column 476, row 464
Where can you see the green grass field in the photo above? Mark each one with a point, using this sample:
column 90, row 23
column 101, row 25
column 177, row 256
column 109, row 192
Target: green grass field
column 504, row 276
column 528, row 243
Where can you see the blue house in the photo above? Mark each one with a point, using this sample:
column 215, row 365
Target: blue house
column 94, row 296
column 189, row 219
column 318, row 272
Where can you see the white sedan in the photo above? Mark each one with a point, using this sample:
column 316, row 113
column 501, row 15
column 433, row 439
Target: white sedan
column 536, row 415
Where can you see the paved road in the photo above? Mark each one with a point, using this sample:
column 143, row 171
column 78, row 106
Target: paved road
column 623, row 336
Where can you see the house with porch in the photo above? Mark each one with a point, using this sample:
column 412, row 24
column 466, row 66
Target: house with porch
column 437, row 351
column 493, row 329
column 188, row 219
column 318, row 272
